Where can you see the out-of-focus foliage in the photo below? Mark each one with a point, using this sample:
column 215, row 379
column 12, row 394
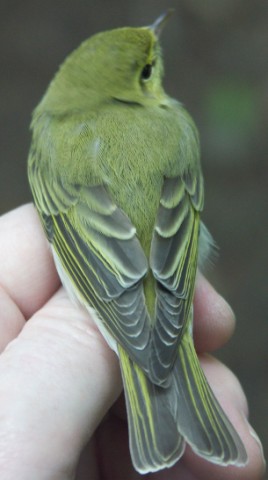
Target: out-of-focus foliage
column 231, row 108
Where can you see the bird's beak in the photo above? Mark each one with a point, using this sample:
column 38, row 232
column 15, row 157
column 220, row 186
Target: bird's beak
column 160, row 22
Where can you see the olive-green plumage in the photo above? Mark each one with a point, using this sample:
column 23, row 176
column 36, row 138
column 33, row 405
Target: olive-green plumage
column 115, row 174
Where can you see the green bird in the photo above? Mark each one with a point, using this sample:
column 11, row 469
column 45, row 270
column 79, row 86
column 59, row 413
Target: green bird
column 114, row 168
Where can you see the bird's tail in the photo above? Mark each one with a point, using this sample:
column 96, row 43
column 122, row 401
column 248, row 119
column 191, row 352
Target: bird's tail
column 161, row 420
column 154, row 440
column 200, row 418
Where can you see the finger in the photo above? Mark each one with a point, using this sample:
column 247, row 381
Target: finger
column 228, row 391
column 27, row 271
column 214, row 321
column 57, row 380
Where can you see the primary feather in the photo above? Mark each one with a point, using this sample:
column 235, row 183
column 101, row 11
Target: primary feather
column 115, row 174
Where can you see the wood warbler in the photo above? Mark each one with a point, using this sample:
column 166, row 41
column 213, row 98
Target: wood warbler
column 115, row 173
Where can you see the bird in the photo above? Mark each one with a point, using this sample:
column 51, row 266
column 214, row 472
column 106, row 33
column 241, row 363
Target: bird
column 114, row 168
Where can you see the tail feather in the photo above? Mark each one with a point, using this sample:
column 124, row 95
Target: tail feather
column 201, row 420
column 155, row 442
column 161, row 420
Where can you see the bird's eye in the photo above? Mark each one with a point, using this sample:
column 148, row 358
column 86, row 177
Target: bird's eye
column 146, row 72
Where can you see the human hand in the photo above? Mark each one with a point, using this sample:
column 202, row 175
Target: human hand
column 59, row 381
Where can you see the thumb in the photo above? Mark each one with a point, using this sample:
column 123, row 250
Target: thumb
column 57, row 380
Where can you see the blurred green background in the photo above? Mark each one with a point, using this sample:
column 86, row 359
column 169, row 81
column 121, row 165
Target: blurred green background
column 216, row 57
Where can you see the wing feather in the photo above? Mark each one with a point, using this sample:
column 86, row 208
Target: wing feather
column 100, row 253
column 173, row 260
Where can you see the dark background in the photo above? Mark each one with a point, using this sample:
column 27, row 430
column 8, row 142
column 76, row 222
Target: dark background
column 216, row 57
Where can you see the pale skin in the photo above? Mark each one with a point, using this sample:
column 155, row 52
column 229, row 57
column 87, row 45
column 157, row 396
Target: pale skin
column 59, row 381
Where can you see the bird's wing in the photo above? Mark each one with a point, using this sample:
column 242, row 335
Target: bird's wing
column 99, row 252
column 173, row 260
